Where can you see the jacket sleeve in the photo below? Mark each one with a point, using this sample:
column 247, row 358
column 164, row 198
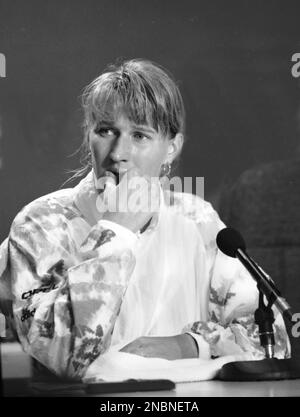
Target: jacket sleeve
column 233, row 299
column 67, row 297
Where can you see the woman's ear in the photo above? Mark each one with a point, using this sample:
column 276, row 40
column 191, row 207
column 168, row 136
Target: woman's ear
column 174, row 147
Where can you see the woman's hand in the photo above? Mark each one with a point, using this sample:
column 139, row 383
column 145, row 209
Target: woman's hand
column 133, row 201
column 182, row 346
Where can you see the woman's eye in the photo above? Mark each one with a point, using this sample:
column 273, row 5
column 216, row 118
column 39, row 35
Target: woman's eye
column 140, row 136
column 104, row 132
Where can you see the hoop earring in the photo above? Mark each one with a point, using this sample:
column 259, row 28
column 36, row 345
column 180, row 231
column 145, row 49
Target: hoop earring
column 165, row 169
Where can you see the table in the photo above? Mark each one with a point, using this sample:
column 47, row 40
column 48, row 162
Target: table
column 284, row 388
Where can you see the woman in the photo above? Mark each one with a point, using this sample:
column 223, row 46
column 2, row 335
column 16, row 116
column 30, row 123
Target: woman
column 149, row 280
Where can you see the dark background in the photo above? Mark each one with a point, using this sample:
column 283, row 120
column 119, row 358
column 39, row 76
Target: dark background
column 232, row 60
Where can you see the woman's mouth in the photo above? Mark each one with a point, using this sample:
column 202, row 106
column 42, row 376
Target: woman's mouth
column 114, row 175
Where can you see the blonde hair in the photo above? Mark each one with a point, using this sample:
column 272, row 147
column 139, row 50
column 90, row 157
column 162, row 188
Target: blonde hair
column 143, row 89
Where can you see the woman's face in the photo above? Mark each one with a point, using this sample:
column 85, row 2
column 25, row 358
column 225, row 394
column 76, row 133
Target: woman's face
column 119, row 145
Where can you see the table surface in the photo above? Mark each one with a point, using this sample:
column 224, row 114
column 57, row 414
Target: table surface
column 17, row 382
column 289, row 388
column 283, row 388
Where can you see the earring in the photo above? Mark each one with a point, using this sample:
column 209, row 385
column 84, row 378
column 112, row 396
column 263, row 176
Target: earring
column 165, row 169
column 89, row 158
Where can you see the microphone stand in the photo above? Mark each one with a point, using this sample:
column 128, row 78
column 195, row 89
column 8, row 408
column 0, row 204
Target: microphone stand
column 269, row 368
column 264, row 318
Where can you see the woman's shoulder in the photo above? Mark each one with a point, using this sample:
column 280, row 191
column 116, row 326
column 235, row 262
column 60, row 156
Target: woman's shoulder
column 48, row 209
column 191, row 206
column 202, row 213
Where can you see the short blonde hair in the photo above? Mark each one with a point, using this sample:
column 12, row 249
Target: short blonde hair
column 143, row 89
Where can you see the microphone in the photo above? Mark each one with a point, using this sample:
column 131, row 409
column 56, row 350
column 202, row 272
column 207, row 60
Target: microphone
column 231, row 243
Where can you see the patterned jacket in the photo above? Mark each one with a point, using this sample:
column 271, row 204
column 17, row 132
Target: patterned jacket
column 70, row 280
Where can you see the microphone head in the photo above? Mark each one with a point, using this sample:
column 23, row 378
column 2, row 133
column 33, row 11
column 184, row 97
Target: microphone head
column 229, row 241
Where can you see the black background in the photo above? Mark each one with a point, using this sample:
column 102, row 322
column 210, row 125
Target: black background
column 231, row 58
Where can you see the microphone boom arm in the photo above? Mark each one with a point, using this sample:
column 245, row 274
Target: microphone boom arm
column 265, row 284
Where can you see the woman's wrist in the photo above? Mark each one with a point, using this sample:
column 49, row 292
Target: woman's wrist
column 188, row 346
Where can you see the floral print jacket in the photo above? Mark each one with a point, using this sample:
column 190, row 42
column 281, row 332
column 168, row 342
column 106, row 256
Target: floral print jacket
column 67, row 279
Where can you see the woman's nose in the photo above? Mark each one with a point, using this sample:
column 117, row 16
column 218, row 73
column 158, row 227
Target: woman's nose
column 121, row 149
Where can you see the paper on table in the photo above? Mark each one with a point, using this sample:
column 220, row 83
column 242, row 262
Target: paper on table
column 120, row 366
